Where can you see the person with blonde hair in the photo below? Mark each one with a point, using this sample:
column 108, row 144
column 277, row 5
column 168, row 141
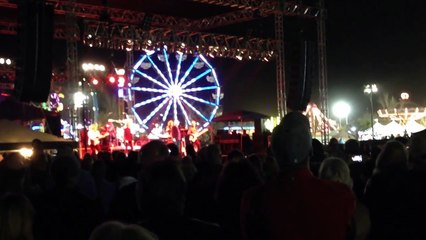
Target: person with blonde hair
column 336, row 169
column 114, row 230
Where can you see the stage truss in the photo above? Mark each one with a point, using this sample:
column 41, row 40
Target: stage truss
column 119, row 29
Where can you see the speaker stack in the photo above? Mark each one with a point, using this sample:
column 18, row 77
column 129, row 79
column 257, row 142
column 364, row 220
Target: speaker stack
column 301, row 66
column 34, row 61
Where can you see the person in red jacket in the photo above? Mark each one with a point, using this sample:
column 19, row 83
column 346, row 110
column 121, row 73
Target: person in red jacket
column 296, row 205
column 128, row 136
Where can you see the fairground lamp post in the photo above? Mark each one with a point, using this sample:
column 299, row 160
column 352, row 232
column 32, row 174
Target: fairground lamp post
column 371, row 89
column 342, row 110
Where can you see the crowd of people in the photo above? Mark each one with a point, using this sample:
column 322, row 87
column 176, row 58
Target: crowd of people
column 299, row 189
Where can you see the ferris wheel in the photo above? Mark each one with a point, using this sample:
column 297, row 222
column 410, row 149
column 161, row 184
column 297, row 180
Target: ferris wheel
column 174, row 86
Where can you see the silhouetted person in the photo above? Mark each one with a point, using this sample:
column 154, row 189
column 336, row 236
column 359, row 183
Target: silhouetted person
column 415, row 196
column 16, row 217
column 63, row 212
column 201, row 191
column 235, row 178
column 296, row 205
column 162, row 201
column 12, row 173
column 385, row 192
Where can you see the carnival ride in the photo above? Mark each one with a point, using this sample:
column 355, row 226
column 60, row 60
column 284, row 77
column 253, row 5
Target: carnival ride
column 166, row 89
column 319, row 122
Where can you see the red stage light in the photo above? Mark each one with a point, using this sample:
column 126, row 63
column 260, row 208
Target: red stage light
column 111, row 79
column 95, row 81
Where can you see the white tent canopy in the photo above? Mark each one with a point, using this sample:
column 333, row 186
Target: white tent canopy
column 413, row 127
column 379, row 132
column 393, row 128
column 14, row 136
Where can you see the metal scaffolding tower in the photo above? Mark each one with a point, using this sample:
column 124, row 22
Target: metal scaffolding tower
column 72, row 38
column 280, row 65
column 322, row 58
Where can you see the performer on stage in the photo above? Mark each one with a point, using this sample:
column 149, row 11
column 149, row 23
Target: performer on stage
column 128, row 136
column 156, row 132
column 94, row 138
column 83, row 141
column 193, row 128
column 110, row 128
column 176, row 135
column 193, row 136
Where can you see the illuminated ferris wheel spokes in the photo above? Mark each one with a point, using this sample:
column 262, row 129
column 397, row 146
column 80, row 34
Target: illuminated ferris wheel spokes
column 195, row 79
column 188, row 71
column 185, row 94
column 155, row 111
column 178, row 67
column 151, row 79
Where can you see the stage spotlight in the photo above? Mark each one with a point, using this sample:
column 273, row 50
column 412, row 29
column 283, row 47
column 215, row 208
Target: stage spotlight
column 8, row 61
column 120, row 71
column 121, row 81
column 111, row 79
column 1, row 60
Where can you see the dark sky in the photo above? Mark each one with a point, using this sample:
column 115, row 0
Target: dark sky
column 375, row 41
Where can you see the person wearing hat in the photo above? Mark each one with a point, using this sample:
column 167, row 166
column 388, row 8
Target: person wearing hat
column 296, row 205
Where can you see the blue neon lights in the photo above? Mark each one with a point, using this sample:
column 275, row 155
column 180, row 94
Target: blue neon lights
column 169, row 90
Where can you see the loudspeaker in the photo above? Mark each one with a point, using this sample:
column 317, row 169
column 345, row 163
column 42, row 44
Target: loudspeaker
column 54, row 124
column 34, row 61
column 299, row 73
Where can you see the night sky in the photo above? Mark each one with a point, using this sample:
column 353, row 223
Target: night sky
column 381, row 42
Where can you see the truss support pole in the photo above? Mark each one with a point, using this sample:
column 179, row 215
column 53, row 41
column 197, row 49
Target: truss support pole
column 322, row 58
column 72, row 38
column 130, row 95
column 280, row 65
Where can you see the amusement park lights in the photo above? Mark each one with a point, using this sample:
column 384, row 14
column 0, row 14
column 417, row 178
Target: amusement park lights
column 371, row 89
column 342, row 110
column 405, row 96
